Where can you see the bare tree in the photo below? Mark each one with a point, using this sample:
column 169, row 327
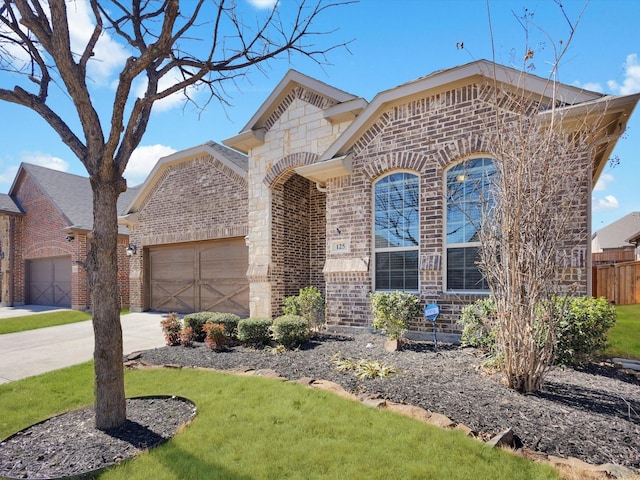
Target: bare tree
column 171, row 46
column 531, row 223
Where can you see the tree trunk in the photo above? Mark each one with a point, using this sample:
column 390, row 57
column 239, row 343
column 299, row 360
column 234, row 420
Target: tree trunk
column 103, row 283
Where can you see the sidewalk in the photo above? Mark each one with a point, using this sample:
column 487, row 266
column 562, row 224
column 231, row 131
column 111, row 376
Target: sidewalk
column 33, row 352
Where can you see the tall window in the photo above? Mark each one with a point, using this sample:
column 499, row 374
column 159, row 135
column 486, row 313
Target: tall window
column 467, row 194
column 397, row 232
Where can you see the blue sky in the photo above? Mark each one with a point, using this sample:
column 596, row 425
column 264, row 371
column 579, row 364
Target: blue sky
column 393, row 42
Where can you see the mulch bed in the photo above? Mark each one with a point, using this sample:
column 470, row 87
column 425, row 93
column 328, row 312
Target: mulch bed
column 592, row 414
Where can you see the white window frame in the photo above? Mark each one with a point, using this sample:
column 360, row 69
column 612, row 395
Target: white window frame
column 447, row 245
column 375, row 250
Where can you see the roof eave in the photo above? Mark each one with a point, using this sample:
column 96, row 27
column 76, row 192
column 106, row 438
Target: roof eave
column 323, row 171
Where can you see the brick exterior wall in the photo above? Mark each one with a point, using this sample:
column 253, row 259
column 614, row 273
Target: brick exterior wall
column 424, row 136
column 197, row 199
column 41, row 233
column 298, row 239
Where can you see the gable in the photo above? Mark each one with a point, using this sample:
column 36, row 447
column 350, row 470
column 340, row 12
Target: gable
column 336, row 106
column 181, row 178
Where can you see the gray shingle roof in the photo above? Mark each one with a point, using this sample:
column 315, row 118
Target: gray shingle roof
column 7, row 205
column 237, row 158
column 72, row 195
column 618, row 233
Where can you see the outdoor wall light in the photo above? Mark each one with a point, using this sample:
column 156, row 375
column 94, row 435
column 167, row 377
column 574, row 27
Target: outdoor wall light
column 70, row 238
column 131, row 250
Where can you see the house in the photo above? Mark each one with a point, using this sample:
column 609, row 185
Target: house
column 349, row 196
column 618, row 241
column 44, row 222
column 188, row 223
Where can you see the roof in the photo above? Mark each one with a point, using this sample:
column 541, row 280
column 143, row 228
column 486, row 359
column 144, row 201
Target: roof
column 7, row 205
column 252, row 134
column 70, row 194
column 444, row 79
column 618, row 233
column 236, row 162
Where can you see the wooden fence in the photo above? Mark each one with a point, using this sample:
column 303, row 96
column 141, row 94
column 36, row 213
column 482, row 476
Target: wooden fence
column 613, row 256
column 619, row 282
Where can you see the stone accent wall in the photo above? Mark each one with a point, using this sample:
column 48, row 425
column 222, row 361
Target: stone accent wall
column 296, row 133
column 194, row 200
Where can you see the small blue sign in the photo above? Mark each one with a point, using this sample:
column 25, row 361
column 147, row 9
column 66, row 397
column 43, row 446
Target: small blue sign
column 431, row 312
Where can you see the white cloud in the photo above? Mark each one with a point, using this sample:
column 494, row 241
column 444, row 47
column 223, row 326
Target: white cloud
column 109, row 55
column 263, row 4
column 142, row 161
column 631, row 82
column 603, row 182
column 45, row 160
column 172, row 101
column 8, row 173
column 602, row 204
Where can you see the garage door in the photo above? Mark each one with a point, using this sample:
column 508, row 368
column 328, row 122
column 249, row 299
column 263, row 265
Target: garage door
column 49, row 281
column 207, row 276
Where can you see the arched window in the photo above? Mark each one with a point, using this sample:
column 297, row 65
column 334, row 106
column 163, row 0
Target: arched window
column 468, row 186
column 396, row 231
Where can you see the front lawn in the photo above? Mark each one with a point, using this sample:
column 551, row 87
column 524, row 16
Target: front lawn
column 624, row 337
column 42, row 320
column 256, row 428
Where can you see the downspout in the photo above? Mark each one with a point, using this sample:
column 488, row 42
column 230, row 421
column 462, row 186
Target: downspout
column 321, row 189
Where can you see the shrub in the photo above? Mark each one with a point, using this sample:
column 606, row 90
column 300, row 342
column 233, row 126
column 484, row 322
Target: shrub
column 254, row 331
column 215, row 338
column 309, row 304
column 392, row 312
column 171, row 327
column 290, row 330
column 196, row 321
column 582, row 331
column 478, row 323
column 186, row 337
column 229, row 320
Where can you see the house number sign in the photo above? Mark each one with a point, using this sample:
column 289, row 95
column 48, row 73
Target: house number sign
column 341, row 246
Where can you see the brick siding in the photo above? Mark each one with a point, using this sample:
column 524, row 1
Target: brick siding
column 194, row 200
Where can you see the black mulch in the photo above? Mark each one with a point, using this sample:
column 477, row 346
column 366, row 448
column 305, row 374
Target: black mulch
column 592, row 413
column 69, row 445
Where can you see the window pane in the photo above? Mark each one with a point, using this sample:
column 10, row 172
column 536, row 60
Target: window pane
column 468, row 185
column 463, row 272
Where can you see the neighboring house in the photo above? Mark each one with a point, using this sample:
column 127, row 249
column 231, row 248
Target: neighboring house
column 188, row 223
column 44, row 223
column 618, row 241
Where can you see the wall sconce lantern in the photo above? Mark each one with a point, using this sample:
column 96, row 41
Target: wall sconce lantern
column 70, row 238
column 131, row 250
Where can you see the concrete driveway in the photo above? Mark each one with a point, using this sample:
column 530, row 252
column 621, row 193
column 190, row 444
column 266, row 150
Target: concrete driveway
column 34, row 352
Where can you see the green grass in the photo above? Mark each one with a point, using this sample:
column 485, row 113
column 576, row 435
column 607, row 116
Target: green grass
column 42, row 320
column 624, row 337
column 256, row 428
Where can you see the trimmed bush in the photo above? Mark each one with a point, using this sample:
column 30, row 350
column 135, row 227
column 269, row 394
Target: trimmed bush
column 216, row 338
column 309, row 304
column 582, row 333
column 186, row 337
column 229, row 320
column 196, row 321
column 478, row 321
column 254, row 331
column 290, row 330
column 392, row 312
column 171, row 327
